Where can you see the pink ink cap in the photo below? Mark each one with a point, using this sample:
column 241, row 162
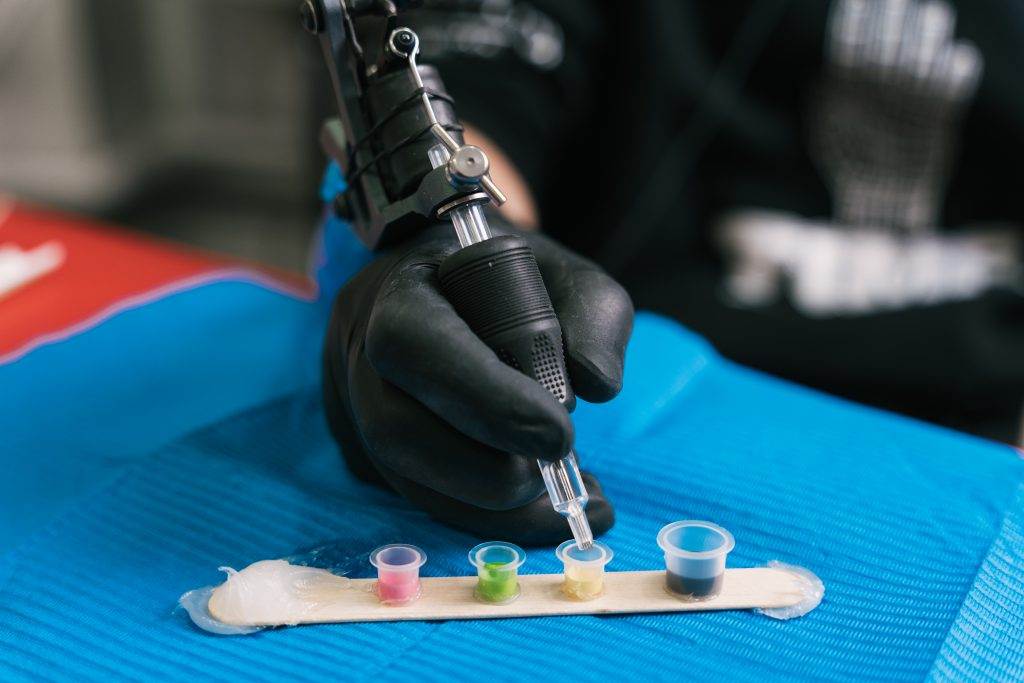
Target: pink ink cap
column 398, row 572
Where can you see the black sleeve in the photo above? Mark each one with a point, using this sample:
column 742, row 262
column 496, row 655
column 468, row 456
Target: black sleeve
column 519, row 71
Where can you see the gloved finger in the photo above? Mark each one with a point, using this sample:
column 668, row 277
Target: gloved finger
column 408, row 439
column 340, row 421
column 417, row 341
column 596, row 315
column 533, row 524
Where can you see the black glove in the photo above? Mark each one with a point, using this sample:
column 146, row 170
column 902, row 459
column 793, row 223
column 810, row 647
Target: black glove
column 419, row 403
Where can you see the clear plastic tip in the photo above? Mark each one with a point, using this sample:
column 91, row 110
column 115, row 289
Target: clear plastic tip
column 568, row 495
column 580, row 526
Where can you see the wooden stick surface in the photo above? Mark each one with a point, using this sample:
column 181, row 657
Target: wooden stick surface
column 451, row 597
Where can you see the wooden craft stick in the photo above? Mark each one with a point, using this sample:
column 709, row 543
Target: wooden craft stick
column 452, row 597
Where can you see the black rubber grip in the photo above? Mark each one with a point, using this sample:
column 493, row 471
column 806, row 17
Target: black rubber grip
column 496, row 287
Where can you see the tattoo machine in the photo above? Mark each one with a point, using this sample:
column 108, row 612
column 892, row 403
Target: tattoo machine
column 400, row 146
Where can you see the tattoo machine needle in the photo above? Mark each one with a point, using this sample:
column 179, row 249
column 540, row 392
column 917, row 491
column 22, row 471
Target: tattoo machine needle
column 495, row 285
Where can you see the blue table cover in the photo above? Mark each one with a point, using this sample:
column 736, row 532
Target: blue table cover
column 188, row 433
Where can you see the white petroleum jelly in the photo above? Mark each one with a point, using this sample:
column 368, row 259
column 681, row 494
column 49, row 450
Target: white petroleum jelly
column 273, row 593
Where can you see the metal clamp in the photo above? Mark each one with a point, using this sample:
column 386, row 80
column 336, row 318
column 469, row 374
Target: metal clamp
column 467, row 164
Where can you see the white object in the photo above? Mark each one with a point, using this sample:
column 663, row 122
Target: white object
column 19, row 267
column 275, row 592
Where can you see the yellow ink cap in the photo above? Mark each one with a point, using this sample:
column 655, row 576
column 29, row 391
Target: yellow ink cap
column 584, row 569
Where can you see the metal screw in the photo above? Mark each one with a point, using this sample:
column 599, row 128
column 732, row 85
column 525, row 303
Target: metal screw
column 403, row 42
column 468, row 164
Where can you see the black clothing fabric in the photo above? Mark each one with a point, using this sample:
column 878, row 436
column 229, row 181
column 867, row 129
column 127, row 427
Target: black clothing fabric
column 660, row 116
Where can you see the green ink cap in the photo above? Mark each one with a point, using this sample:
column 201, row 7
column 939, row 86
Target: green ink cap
column 497, row 567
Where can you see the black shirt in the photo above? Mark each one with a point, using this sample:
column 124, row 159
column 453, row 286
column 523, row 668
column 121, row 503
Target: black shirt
column 815, row 187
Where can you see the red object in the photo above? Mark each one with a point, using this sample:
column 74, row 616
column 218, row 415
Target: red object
column 398, row 586
column 104, row 270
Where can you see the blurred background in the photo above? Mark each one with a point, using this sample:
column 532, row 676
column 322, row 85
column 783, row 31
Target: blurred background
column 183, row 118
column 197, row 121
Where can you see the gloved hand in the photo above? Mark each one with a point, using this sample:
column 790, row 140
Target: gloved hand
column 418, row 403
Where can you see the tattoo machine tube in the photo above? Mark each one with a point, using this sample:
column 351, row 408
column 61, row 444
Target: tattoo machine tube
column 496, row 287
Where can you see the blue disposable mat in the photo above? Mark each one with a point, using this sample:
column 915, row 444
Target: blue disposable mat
column 916, row 532
column 74, row 413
